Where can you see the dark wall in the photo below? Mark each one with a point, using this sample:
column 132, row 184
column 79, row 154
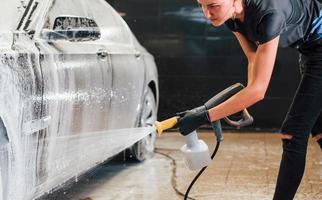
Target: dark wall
column 196, row 61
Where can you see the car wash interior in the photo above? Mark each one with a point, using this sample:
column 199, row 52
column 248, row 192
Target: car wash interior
column 127, row 100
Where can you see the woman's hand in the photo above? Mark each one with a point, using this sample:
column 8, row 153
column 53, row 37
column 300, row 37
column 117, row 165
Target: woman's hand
column 192, row 119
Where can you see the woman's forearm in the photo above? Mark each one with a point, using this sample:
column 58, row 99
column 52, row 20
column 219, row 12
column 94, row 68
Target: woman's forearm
column 245, row 98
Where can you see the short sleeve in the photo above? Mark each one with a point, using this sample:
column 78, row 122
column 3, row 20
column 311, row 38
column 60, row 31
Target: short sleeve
column 232, row 25
column 270, row 25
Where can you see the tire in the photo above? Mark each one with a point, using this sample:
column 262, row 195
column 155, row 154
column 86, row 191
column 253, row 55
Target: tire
column 144, row 148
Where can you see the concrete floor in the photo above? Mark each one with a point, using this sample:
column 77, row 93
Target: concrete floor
column 245, row 168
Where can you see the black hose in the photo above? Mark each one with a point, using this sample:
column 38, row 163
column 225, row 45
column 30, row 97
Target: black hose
column 200, row 172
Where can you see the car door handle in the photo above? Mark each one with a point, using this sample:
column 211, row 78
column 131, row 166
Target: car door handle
column 102, row 54
column 137, row 54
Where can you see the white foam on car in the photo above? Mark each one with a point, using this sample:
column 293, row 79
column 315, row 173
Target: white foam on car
column 90, row 149
column 71, row 155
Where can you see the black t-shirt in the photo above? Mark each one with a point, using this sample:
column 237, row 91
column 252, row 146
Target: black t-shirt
column 296, row 21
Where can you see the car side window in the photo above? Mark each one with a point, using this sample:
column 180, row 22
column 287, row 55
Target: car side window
column 111, row 24
column 69, row 20
column 64, row 8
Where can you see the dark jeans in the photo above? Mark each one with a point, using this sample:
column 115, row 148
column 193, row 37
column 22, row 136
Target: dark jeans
column 305, row 113
column 304, row 117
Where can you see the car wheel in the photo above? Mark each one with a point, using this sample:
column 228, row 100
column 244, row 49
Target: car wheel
column 144, row 148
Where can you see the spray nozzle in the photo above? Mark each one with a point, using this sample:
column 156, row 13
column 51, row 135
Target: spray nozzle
column 166, row 124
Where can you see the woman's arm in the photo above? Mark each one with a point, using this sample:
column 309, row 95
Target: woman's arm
column 261, row 62
column 250, row 51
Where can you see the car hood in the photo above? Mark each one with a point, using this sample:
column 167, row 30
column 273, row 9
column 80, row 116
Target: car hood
column 6, row 39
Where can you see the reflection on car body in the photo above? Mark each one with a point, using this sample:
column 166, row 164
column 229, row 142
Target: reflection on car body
column 72, row 76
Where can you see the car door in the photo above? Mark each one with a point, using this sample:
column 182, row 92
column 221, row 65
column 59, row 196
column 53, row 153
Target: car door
column 77, row 84
column 127, row 63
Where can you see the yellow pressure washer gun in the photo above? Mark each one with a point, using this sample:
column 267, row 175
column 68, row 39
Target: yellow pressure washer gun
column 247, row 119
column 196, row 151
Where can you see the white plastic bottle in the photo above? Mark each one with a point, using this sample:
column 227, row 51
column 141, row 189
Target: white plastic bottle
column 196, row 152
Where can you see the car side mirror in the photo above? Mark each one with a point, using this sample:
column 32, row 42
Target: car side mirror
column 72, row 28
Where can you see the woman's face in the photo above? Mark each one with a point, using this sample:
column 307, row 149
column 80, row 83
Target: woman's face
column 217, row 11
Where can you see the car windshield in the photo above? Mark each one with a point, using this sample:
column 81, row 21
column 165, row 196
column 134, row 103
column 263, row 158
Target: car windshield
column 12, row 12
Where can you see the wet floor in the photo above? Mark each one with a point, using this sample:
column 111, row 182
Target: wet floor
column 245, row 168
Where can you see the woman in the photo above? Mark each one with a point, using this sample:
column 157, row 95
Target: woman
column 260, row 27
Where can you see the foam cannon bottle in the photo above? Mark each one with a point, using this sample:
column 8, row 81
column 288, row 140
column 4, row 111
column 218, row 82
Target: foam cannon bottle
column 196, row 151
